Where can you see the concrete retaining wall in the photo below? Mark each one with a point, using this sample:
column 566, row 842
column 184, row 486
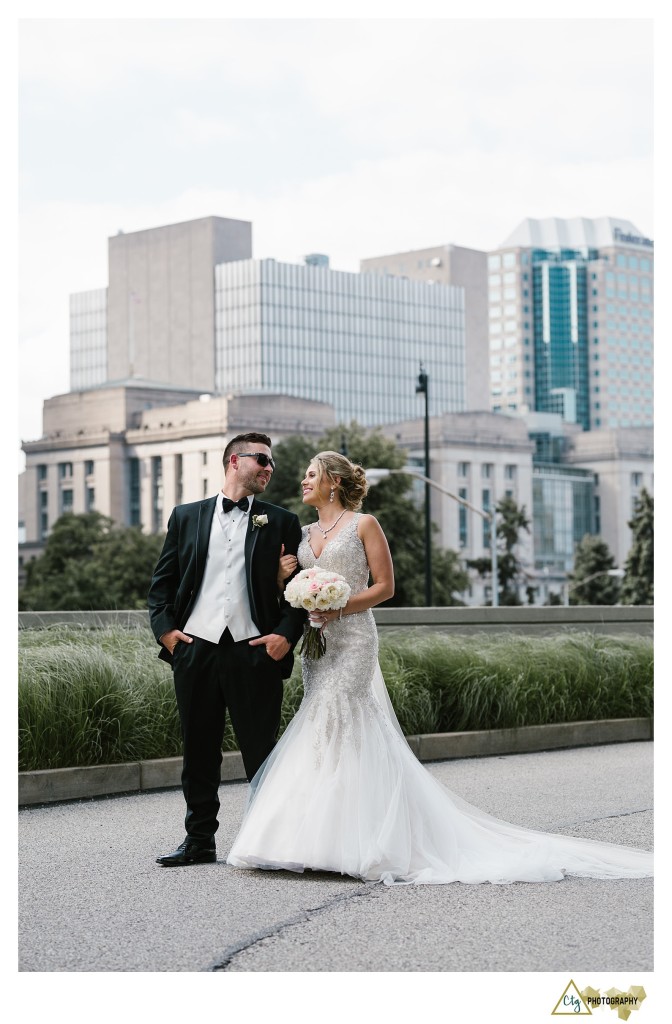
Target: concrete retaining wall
column 103, row 780
column 615, row 620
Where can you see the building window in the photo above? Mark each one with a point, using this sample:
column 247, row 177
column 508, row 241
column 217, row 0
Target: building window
column 90, row 499
column 204, row 458
column 463, row 469
column 41, row 472
column 463, row 519
column 178, row 480
column 509, row 472
column 64, row 470
column 66, row 501
column 636, row 480
column 134, row 492
column 205, row 488
column 88, row 467
column 486, row 470
column 485, row 505
column 157, row 493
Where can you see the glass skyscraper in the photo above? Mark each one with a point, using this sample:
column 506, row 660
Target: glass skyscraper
column 353, row 340
column 571, row 322
column 560, row 333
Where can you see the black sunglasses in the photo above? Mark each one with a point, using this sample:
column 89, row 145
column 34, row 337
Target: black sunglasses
column 262, row 459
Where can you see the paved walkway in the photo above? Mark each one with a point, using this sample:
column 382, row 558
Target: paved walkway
column 92, row 898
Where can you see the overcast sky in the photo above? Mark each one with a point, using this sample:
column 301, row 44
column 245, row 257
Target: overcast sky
column 348, row 137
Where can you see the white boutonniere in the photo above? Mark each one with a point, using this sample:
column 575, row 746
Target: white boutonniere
column 259, row 521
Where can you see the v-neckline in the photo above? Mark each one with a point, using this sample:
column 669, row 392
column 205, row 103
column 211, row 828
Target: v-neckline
column 312, row 550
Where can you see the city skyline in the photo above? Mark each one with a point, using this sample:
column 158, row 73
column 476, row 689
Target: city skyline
column 453, row 145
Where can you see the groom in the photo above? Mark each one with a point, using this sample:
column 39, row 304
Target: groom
column 217, row 613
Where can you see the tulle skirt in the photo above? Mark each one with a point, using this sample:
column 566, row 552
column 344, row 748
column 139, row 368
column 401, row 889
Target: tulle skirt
column 342, row 791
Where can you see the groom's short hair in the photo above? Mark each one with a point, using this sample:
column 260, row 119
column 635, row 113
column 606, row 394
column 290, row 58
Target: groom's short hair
column 240, row 442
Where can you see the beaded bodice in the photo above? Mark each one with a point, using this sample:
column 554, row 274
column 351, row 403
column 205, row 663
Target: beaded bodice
column 338, row 686
column 344, row 554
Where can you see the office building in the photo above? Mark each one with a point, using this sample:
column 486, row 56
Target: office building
column 571, row 322
column 353, row 340
column 480, row 457
column 186, row 306
column 464, row 268
column 156, row 317
column 133, row 449
column 621, row 463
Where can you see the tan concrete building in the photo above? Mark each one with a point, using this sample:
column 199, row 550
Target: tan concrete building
column 480, row 457
column 156, row 318
column 134, row 449
column 621, row 461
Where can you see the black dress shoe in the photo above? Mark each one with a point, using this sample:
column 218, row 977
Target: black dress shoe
column 191, row 851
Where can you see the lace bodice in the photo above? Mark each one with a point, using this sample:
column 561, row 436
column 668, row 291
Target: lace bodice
column 344, row 554
column 340, row 682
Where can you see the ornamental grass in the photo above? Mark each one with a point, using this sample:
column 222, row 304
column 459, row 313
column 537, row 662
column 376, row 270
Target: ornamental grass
column 101, row 696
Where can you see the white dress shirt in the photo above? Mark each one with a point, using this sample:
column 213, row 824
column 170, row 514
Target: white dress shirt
column 223, row 598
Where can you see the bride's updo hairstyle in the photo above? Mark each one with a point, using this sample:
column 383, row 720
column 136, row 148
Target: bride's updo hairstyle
column 353, row 486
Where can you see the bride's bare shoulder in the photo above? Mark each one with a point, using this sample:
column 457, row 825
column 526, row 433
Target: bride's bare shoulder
column 368, row 525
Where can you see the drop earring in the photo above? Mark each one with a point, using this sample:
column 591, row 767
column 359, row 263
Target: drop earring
column 331, row 494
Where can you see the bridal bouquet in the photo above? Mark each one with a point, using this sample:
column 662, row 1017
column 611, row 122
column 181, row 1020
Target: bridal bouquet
column 316, row 590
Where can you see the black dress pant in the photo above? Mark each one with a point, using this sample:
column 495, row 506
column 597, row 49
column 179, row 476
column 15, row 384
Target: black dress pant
column 209, row 679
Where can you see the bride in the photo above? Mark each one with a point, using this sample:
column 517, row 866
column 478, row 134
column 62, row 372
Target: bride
column 341, row 790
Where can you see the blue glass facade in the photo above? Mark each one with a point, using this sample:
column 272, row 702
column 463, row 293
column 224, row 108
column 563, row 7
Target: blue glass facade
column 354, row 340
column 561, row 332
column 571, row 322
column 563, row 512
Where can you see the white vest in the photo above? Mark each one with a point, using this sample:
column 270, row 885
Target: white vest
column 223, row 599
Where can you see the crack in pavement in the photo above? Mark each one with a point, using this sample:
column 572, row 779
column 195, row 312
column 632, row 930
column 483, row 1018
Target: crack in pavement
column 371, row 889
column 554, row 826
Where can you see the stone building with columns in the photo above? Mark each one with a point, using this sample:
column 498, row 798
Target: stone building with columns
column 133, row 449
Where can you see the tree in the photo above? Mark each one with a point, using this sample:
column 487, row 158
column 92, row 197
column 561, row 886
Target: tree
column 89, row 563
column 389, row 501
column 510, row 521
column 637, row 587
column 590, row 582
column 291, row 458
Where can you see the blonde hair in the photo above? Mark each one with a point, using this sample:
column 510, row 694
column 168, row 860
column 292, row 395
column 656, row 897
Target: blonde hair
column 353, row 486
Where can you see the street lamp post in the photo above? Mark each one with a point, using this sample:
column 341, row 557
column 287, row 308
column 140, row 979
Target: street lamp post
column 423, row 388
column 376, row 474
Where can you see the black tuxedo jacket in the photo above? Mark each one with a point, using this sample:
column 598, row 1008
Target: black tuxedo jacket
column 179, row 572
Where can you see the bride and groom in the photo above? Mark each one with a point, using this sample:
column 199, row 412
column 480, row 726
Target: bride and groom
column 341, row 790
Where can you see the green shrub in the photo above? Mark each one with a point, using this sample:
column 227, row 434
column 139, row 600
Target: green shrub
column 102, row 696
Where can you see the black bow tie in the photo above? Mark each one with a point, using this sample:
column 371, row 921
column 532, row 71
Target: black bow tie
column 228, row 504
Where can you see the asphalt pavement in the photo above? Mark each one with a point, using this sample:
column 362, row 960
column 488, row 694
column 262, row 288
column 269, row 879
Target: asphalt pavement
column 92, row 898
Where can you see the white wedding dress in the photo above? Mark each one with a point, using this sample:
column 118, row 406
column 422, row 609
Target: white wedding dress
column 342, row 790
